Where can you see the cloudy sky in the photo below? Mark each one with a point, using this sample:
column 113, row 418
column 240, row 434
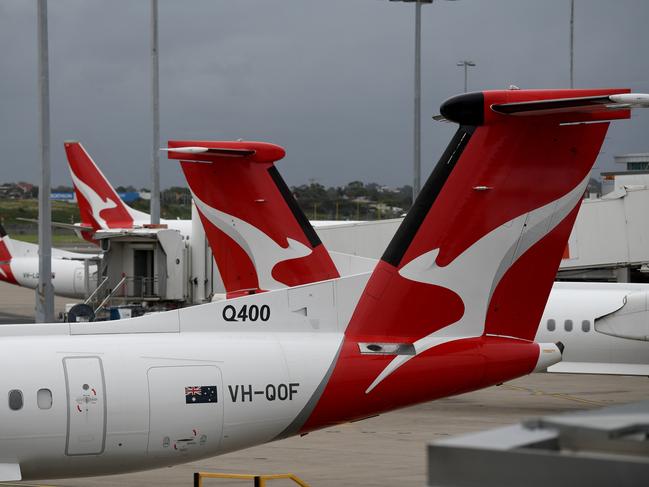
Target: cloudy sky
column 330, row 80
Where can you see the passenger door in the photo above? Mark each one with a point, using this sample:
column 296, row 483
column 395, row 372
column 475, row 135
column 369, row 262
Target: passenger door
column 84, row 382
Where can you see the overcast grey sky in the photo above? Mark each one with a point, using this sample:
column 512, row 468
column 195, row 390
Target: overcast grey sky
column 330, row 80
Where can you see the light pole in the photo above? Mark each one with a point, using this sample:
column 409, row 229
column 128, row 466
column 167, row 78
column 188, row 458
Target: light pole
column 466, row 65
column 44, row 291
column 416, row 182
column 155, row 163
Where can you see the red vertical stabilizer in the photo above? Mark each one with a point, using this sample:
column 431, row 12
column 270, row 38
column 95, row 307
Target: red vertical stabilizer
column 259, row 236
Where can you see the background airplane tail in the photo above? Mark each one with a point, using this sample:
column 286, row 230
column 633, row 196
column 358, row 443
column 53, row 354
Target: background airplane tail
column 99, row 205
column 6, row 254
column 5, row 251
column 259, row 236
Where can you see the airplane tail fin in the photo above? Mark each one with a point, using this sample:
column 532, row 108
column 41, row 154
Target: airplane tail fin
column 6, row 254
column 100, row 206
column 461, row 288
column 259, row 236
column 482, row 244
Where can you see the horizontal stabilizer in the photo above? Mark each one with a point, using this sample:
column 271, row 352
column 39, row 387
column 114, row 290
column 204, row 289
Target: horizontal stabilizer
column 220, row 151
column 67, row 226
column 211, row 151
column 585, row 104
column 441, row 118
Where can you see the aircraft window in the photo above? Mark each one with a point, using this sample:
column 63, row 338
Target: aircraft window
column 15, row 399
column 567, row 325
column 44, row 398
column 585, row 325
column 552, row 324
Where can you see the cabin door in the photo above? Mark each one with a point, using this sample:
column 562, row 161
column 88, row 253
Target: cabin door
column 84, row 382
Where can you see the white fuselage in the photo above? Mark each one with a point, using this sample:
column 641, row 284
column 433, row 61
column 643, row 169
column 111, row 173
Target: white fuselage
column 118, row 389
column 571, row 311
column 68, row 276
column 68, row 268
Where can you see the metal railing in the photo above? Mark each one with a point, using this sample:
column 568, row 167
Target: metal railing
column 258, row 480
column 141, row 287
column 111, row 294
column 97, row 289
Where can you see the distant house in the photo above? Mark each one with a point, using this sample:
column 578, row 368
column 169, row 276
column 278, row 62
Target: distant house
column 15, row 191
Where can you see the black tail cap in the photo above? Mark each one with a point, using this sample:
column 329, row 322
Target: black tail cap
column 467, row 109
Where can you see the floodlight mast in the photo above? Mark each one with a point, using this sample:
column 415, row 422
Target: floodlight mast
column 155, row 102
column 44, row 291
column 466, row 65
column 416, row 183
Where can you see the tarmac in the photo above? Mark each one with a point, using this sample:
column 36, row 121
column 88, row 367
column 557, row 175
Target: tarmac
column 387, row 450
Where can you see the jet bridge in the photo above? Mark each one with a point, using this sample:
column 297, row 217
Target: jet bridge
column 609, row 239
column 144, row 266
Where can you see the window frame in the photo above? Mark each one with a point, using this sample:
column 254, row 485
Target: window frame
column 38, row 397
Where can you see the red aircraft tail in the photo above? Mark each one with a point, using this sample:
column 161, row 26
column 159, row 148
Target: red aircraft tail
column 100, row 206
column 259, row 236
column 462, row 286
column 6, row 274
column 483, row 242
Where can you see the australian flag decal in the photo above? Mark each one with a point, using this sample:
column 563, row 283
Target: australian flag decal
column 200, row 394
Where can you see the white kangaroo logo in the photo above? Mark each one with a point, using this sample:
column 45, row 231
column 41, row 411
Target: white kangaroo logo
column 481, row 267
column 262, row 250
column 96, row 202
